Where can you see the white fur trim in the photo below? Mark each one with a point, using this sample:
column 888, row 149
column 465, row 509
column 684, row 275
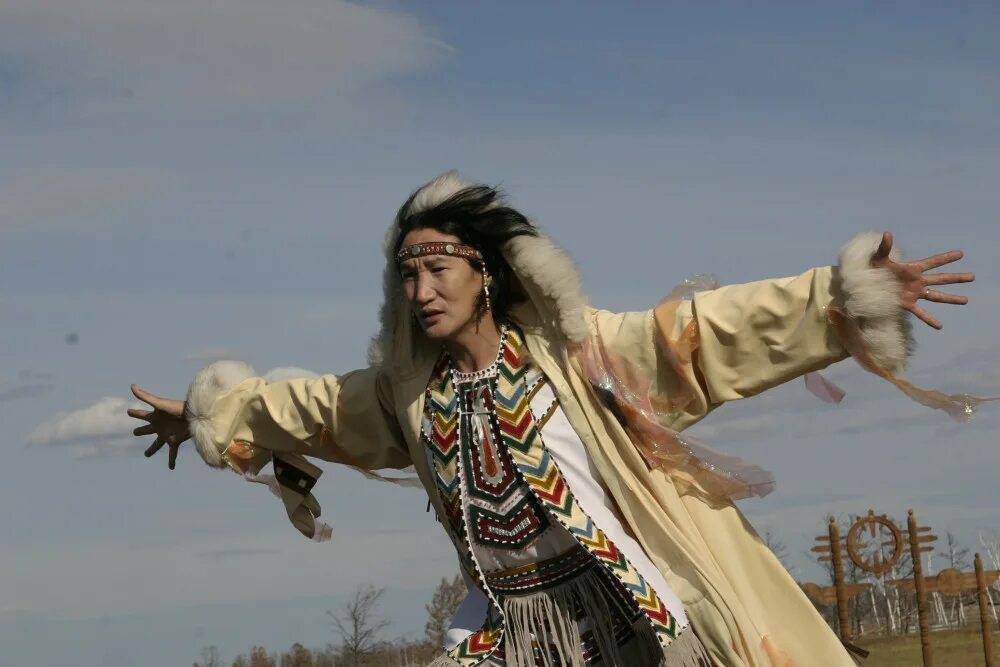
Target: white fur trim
column 211, row 382
column 871, row 297
column 436, row 191
column 539, row 261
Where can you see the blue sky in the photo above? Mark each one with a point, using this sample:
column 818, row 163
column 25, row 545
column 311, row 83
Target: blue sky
column 181, row 181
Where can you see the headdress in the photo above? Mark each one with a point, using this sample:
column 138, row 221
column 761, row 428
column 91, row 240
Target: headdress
column 438, row 248
column 542, row 272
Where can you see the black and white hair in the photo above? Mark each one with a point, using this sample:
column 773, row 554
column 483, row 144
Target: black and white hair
column 519, row 256
column 480, row 218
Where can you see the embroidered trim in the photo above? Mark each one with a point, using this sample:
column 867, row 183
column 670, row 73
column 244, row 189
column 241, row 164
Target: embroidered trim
column 490, row 371
column 548, row 414
column 535, row 577
column 535, row 388
column 538, row 469
column 541, row 472
column 483, row 373
column 442, row 405
column 497, row 485
column 438, row 248
column 516, row 529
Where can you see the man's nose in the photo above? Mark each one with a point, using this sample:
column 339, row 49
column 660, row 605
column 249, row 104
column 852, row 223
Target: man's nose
column 423, row 293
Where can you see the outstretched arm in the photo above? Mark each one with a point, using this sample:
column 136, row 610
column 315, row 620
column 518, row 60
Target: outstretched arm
column 343, row 418
column 229, row 411
column 244, row 422
column 739, row 340
column 755, row 336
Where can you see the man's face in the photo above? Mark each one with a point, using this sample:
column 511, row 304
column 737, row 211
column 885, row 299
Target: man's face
column 443, row 291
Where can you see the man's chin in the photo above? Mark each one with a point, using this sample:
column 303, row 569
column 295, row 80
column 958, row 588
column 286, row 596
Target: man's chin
column 436, row 331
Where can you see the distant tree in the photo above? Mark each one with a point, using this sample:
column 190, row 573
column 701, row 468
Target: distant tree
column 209, row 658
column 990, row 542
column 297, row 656
column 359, row 626
column 957, row 558
column 259, row 657
column 777, row 547
column 447, row 597
column 326, row 657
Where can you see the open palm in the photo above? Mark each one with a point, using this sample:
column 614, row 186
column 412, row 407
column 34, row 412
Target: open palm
column 166, row 420
column 916, row 283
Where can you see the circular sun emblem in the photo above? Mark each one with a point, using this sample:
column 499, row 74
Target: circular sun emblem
column 874, row 544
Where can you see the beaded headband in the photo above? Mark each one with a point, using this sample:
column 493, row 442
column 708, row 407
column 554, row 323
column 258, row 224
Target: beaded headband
column 438, row 248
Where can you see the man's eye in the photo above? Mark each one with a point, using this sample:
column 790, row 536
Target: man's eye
column 407, row 276
column 438, row 269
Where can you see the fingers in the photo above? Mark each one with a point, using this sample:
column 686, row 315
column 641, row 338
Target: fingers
column 145, row 430
column 172, row 458
column 943, row 297
column 935, row 261
column 155, row 447
column 884, row 247
column 949, row 278
column 146, row 397
column 926, row 317
column 139, row 393
column 140, row 414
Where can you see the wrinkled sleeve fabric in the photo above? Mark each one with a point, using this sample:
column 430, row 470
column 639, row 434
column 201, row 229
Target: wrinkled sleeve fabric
column 242, row 421
column 758, row 335
column 747, row 338
column 329, row 417
column 755, row 336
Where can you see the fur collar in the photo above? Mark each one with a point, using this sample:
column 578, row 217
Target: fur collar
column 545, row 273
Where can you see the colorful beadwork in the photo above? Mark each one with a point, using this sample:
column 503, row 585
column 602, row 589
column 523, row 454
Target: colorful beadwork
column 438, row 248
column 522, row 442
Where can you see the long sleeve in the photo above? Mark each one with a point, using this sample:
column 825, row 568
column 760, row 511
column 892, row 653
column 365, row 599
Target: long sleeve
column 756, row 336
column 747, row 338
column 243, row 421
column 326, row 417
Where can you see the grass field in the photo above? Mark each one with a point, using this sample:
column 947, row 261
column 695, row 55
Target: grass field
column 952, row 648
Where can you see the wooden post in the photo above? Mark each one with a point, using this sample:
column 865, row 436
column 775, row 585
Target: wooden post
column 984, row 617
column 838, row 580
column 918, row 581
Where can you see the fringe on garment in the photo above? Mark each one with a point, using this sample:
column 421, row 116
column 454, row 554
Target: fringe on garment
column 549, row 619
column 685, row 651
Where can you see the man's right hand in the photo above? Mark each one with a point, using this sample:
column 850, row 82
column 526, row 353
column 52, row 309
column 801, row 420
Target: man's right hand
column 166, row 420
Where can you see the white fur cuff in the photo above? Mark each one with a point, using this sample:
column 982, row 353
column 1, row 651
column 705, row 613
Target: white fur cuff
column 211, row 382
column 871, row 297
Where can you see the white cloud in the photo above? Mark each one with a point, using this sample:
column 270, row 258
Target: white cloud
column 189, row 54
column 100, row 429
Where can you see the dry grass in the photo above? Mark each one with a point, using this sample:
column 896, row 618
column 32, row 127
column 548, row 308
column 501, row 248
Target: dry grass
column 952, row 648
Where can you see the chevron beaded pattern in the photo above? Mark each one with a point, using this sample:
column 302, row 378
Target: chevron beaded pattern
column 540, row 472
column 520, row 435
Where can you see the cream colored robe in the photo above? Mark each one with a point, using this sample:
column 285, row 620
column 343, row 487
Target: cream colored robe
column 742, row 602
